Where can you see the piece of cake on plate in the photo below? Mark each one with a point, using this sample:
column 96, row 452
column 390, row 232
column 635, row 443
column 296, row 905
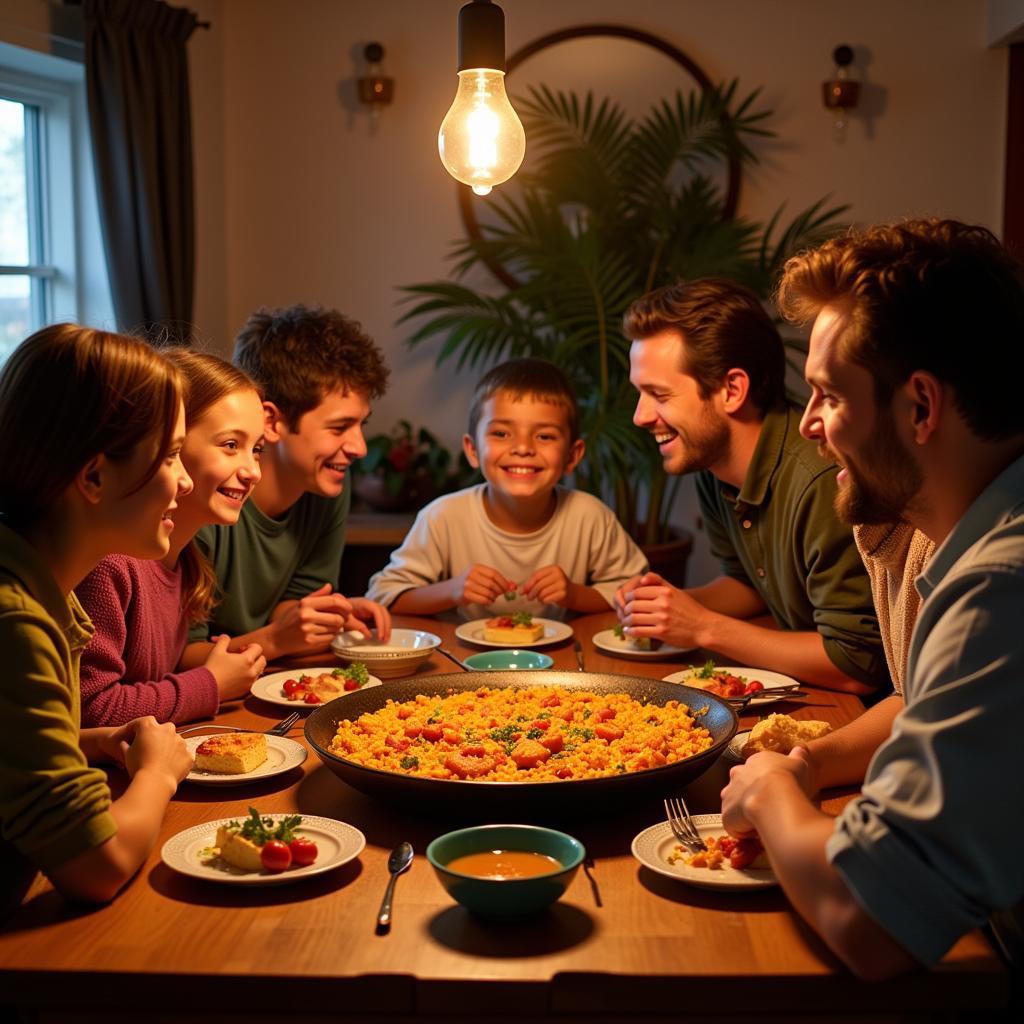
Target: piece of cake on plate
column 637, row 643
column 232, row 753
column 513, row 629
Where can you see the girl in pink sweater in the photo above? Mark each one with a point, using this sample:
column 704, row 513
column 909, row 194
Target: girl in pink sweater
column 142, row 609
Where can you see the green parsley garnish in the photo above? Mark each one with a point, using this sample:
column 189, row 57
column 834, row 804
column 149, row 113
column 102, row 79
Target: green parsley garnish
column 522, row 619
column 535, row 734
column 619, row 631
column 587, row 713
column 358, row 673
column 409, row 762
column 510, row 595
column 261, row 830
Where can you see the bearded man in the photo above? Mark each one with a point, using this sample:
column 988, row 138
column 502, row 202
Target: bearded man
column 915, row 327
column 709, row 365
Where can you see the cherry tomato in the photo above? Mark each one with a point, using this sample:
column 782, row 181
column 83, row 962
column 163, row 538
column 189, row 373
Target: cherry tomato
column 351, row 684
column 276, row 856
column 304, row 851
column 312, row 698
column 755, row 686
column 291, row 685
column 747, row 851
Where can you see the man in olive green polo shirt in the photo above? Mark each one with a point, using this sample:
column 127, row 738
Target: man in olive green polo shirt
column 710, row 368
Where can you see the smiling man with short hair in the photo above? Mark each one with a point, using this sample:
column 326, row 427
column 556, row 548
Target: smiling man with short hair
column 915, row 326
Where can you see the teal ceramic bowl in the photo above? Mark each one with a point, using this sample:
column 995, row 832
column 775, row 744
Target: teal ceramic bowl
column 506, row 899
column 488, row 661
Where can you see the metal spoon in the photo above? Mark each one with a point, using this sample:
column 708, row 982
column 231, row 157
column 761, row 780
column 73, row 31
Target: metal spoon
column 400, row 859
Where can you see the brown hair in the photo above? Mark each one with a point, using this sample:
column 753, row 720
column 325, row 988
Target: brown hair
column 723, row 326
column 207, row 379
column 68, row 394
column 526, row 378
column 934, row 295
column 298, row 354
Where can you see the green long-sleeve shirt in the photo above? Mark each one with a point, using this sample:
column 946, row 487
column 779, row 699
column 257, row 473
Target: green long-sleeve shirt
column 779, row 535
column 53, row 805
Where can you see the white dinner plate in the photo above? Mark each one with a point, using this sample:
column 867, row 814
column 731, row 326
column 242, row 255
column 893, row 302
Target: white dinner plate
column 283, row 754
column 607, row 641
column 653, row 846
column 188, row 852
column 271, row 687
column 473, row 633
column 769, row 679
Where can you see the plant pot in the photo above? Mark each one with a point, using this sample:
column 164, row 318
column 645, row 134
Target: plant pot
column 669, row 558
column 415, row 492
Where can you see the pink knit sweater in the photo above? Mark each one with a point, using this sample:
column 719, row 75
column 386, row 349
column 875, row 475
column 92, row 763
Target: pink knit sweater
column 128, row 666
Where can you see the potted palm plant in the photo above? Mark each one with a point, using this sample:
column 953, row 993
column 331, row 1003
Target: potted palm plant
column 611, row 208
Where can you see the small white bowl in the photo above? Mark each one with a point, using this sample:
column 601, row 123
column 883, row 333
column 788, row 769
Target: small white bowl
column 400, row 656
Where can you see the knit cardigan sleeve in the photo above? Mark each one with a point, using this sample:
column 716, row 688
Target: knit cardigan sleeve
column 111, row 693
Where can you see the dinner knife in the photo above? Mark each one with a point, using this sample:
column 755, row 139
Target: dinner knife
column 579, row 656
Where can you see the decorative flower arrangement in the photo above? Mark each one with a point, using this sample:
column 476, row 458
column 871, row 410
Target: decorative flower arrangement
column 405, row 469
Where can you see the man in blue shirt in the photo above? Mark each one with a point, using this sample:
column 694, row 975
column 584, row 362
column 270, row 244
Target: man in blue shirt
column 915, row 326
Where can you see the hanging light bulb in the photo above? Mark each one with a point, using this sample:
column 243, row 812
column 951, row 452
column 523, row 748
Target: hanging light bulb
column 481, row 141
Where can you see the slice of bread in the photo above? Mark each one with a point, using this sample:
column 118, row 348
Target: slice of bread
column 233, row 753
column 239, row 851
column 782, row 733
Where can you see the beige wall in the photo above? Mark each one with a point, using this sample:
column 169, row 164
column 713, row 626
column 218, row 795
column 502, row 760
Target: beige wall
column 297, row 200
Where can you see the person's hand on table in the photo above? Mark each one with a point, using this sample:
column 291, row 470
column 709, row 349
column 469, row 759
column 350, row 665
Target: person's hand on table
column 149, row 745
column 750, row 780
column 479, row 584
column 367, row 615
column 649, row 606
column 311, row 622
column 234, row 671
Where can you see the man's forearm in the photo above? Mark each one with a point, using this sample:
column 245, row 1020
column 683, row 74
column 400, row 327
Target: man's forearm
column 728, row 596
column 426, row 600
column 841, row 758
column 794, row 834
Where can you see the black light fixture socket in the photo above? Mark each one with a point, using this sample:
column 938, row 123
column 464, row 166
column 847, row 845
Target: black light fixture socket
column 481, row 36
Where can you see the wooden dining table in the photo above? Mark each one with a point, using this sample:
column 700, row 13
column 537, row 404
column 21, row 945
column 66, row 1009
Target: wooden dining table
column 623, row 943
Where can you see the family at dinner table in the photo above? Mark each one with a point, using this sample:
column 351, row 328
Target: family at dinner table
column 170, row 522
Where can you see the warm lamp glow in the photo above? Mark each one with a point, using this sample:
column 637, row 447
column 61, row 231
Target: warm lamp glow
column 481, row 140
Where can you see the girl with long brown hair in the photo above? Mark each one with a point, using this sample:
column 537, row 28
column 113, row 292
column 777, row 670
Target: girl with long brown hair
column 141, row 609
column 92, row 425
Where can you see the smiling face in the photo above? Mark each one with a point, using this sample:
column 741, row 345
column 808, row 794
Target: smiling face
column 326, row 441
column 140, row 521
column 522, row 446
column 878, row 477
column 221, row 453
column 690, row 432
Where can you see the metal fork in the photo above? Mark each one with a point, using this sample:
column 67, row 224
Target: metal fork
column 281, row 729
column 682, row 825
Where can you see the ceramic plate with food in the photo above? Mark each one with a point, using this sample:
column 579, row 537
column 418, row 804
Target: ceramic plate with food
column 272, row 687
column 611, row 642
column 194, row 852
column 658, row 849
column 721, row 680
column 283, row 754
column 552, row 632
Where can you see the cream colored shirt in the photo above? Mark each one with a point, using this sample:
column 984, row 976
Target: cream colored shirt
column 453, row 533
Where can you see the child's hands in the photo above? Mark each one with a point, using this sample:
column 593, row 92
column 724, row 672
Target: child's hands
column 235, row 672
column 479, row 584
column 312, row 622
column 366, row 612
column 147, row 745
column 549, row 585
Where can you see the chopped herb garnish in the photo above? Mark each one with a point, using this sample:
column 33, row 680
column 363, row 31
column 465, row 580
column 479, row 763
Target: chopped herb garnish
column 535, row 734
column 587, row 713
column 409, row 761
column 522, row 619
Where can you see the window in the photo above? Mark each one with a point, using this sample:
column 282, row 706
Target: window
column 52, row 266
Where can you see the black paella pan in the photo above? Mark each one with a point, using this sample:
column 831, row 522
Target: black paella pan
column 711, row 712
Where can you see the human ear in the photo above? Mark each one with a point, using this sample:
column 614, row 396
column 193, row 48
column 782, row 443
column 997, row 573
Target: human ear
column 273, row 422
column 470, row 449
column 89, row 480
column 576, row 453
column 735, row 389
column 925, row 395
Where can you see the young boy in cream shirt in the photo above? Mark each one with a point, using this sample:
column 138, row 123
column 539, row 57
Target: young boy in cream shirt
column 519, row 541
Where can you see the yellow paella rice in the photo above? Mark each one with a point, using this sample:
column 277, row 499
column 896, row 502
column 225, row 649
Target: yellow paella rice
column 539, row 734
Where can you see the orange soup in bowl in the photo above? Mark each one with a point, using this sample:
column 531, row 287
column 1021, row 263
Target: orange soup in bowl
column 504, row 864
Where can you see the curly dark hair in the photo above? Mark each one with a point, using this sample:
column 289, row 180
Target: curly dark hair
column 299, row 354
column 926, row 294
column 723, row 325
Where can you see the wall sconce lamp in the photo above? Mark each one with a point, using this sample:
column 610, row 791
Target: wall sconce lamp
column 842, row 92
column 376, row 91
column 481, row 141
